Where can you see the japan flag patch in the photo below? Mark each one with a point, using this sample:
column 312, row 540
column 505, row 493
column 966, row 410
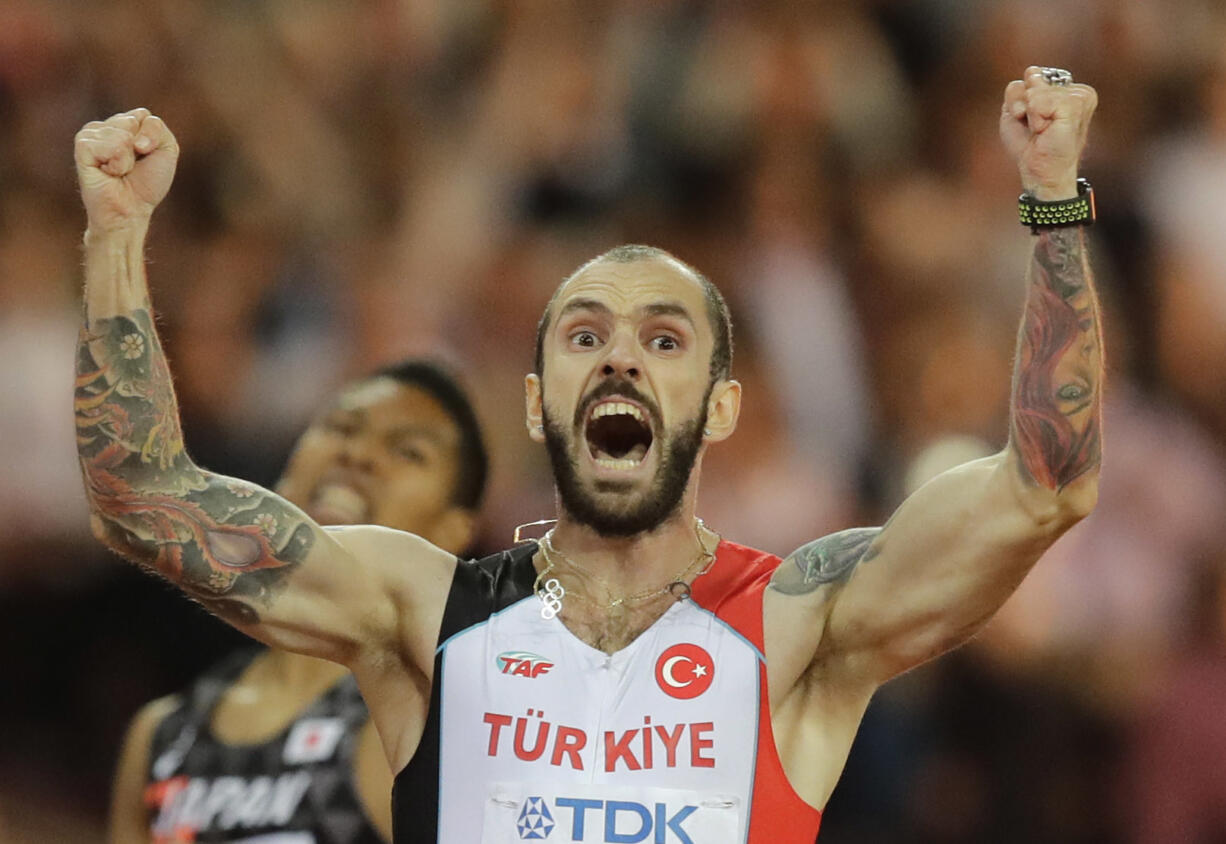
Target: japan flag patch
column 312, row 740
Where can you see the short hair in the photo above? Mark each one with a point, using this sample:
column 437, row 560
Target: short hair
column 717, row 308
column 472, row 461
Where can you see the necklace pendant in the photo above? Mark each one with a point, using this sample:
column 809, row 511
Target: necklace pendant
column 551, row 598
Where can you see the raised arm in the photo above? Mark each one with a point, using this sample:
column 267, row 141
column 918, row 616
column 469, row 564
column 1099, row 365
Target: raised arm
column 243, row 552
column 886, row 599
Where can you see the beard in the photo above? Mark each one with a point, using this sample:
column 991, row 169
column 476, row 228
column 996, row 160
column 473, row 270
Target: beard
column 624, row 516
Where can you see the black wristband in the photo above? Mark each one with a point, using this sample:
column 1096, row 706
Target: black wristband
column 1079, row 211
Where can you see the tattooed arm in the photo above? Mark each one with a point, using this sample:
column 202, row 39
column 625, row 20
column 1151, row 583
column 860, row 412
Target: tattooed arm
column 849, row 611
column 246, row 554
column 886, row 599
column 961, row 544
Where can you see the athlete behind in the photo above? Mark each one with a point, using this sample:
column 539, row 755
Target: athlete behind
column 276, row 742
column 632, row 676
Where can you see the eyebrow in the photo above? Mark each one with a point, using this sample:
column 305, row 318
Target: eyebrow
column 583, row 305
column 408, row 431
column 425, row 432
column 674, row 309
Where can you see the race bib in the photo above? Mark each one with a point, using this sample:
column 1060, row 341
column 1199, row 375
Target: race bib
column 517, row 811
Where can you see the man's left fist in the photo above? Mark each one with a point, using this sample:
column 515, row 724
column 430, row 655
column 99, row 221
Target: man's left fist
column 1044, row 128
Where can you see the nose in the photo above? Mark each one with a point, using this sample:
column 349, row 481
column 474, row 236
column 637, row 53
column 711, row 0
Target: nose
column 622, row 357
column 358, row 453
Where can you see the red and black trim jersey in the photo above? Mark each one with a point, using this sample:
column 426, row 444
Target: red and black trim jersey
column 533, row 735
column 296, row 788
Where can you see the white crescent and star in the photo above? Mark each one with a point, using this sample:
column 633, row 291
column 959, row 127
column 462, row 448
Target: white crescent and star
column 666, row 671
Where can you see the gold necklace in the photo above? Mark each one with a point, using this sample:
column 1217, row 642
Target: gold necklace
column 552, row 592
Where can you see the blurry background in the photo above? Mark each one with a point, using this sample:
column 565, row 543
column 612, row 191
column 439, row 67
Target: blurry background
column 365, row 180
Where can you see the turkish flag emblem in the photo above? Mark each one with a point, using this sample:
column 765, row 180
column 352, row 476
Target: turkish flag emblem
column 685, row 671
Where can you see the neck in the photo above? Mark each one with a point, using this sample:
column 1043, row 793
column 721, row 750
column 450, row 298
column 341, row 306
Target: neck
column 642, row 560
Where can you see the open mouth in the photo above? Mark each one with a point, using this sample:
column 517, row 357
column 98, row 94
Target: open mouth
column 339, row 504
column 618, row 434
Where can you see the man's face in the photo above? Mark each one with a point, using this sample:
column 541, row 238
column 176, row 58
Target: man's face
column 384, row 453
column 624, row 392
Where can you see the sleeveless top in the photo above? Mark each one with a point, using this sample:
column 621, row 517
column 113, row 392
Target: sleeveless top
column 295, row 788
column 533, row 735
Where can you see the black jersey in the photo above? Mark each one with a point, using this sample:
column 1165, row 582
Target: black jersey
column 295, row 788
column 478, row 589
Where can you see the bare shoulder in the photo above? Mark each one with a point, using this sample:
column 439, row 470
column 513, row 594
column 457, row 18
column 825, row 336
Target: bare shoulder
column 830, row 560
column 128, row 819
column 138, row 741
column 395, row 676
column 150, row 716
column 799, row 599
column 816, row 704
column 416, row 575
column 403, row 560
column 377, row 539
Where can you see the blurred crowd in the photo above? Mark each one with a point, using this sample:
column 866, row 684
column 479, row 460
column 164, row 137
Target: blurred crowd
column 361, row 181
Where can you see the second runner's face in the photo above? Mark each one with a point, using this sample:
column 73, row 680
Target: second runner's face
column 624, row 394
column 384, row 453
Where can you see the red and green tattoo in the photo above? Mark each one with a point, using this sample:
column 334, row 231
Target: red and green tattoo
column 1057, row 384
column 226, row 542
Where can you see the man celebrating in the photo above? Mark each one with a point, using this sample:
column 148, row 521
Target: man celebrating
column 282, row 743
column 632, row 676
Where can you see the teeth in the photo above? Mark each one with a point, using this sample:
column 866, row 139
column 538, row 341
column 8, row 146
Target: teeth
column 610, row 463
column 612, row 408
column 339, row 504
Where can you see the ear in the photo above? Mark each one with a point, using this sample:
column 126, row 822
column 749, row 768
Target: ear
column 723, row 409
column 454, row 530
column 534, row 414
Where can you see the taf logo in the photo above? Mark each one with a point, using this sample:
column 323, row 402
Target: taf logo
column 685, row 671
column 522, row 664
column 535, row 823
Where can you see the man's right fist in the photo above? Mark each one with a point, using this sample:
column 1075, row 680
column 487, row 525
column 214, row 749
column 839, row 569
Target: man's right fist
column 125, row 165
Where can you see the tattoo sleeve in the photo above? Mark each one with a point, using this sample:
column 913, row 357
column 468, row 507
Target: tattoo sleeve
column 1057, row 381
column 831, row 559
column 226, row 542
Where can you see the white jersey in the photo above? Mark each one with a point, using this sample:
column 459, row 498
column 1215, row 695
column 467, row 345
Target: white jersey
column 535, row 735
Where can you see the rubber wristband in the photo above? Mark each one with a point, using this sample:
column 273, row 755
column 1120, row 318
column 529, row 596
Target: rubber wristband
column 1039, row 215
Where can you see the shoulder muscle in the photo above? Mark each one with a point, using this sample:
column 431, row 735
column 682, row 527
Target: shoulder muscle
column 829, row 560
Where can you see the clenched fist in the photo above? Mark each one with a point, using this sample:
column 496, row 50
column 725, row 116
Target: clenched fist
column 125, row 165
column 1044, row 127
